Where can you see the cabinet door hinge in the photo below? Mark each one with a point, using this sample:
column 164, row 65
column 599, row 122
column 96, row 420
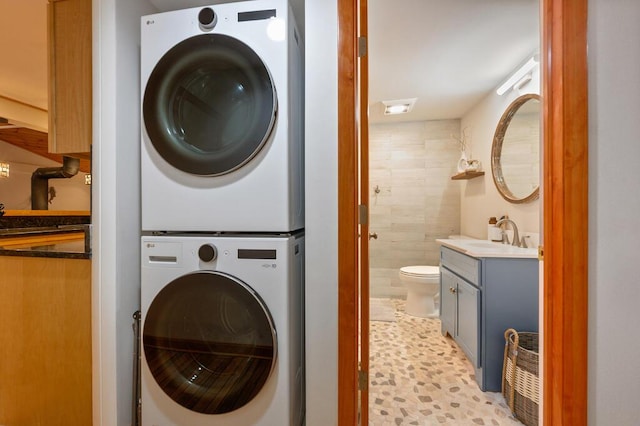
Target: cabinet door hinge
column 363, row 380
column 540, row 253
column 362, row 46
column 363, row 214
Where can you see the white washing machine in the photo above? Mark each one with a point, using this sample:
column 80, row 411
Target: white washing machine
column 222, row 112
column 222, row 330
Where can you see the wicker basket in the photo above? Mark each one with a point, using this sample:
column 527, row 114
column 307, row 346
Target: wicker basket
column 520, row 379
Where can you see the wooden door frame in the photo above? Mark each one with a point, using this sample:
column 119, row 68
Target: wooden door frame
column 565, row 207
column 363, row 184
column 348, row 177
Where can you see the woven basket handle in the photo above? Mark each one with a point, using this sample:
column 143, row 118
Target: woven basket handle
column 507, row 334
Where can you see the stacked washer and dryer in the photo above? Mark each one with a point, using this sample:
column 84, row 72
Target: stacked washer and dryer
column 222, row 273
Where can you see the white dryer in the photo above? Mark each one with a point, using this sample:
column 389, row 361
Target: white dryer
column 222, row 330
column 222, row 112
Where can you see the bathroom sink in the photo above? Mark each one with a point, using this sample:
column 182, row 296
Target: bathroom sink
column 486, row 245
column 483, row 248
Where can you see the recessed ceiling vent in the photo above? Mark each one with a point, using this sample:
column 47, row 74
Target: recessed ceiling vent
column 398, row 106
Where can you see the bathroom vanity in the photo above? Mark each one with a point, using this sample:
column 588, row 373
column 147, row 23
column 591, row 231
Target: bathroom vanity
column 486, row 288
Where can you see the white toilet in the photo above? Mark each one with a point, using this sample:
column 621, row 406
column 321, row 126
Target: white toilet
column 423, row 283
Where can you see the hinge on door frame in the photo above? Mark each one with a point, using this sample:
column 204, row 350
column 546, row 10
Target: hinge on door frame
column 540, row 253
column 363, row 380
column 362, row 46
column 363, row 214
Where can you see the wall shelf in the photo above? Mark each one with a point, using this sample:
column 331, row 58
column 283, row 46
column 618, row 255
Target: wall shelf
column 467, row 175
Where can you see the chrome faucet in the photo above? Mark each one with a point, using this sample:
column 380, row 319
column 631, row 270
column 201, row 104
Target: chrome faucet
column 516, row 236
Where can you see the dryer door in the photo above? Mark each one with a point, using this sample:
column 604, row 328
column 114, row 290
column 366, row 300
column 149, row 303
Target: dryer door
column 209, row 342
column 209, row 105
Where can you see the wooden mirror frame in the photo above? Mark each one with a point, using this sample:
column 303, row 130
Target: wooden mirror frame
column 496, row 152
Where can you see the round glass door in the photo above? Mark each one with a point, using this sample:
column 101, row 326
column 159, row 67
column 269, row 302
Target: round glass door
column 209, row 105
column 209, row 342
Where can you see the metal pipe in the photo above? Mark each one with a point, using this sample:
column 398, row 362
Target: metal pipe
column 40, row 181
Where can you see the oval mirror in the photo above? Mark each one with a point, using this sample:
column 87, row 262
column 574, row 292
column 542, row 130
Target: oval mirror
column 515, row 154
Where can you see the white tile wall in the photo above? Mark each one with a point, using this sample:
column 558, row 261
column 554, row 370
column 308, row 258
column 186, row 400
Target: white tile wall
column 412, row 164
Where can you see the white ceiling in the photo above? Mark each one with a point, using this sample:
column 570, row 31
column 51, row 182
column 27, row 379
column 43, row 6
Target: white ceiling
column 447, row 53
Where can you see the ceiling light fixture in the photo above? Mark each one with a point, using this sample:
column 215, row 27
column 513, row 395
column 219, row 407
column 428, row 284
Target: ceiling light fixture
column 399, row 106
column 518, row 75
column 524, row 80
column 4, row 170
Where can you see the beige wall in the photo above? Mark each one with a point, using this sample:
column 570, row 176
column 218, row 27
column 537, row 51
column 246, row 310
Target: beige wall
column 479, row 197
column 412, row 164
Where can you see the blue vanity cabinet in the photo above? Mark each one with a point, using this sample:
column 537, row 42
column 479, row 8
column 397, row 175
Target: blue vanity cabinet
column 481, row 298
column 510, row 300
column 468, row 333
column 448, row 302
column 460, row 302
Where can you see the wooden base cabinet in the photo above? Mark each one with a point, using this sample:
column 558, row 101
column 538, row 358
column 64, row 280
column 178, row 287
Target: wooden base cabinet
column 482, row 297
column 45, row 341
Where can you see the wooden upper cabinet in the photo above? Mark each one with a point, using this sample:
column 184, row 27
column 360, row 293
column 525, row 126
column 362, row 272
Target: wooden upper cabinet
column 70, row 105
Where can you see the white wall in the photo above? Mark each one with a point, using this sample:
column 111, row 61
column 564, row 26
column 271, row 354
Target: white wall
column 480, row 199
column 321, row 212
column 116, row 219
column 15, row 191
column 411, row 163
column 614, row 203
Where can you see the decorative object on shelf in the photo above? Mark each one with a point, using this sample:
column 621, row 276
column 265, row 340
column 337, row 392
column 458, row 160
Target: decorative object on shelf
column 466, row 161
column 1, row 209
column 472, row 166
column 462, row 162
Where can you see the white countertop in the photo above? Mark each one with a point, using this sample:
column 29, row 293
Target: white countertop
column 485, row 248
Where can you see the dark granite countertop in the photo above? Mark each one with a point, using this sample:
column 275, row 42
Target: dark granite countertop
column 41, row 219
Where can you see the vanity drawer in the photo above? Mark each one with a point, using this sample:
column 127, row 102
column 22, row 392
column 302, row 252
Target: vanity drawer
column 465, row 266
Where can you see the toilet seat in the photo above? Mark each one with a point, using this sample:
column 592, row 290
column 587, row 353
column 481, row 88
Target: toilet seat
column 421, row 271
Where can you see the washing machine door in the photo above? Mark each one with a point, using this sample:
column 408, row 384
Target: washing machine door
column 209, row 342
column 209, row 105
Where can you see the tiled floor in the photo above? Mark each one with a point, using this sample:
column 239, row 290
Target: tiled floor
column 419, row 377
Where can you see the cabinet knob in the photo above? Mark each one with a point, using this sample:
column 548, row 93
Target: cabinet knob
column 452, row 290
column 373, row 235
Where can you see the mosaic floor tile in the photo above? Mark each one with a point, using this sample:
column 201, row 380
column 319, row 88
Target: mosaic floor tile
column 419, row 377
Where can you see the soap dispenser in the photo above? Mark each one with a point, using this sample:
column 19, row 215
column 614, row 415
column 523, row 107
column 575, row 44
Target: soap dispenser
column 493, row 232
